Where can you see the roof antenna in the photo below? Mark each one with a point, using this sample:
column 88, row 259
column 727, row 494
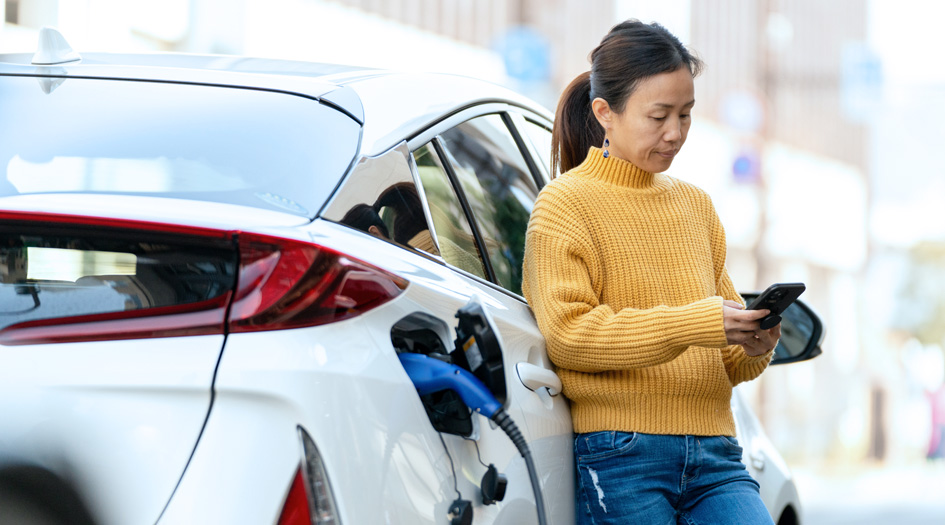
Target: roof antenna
column 53, row 49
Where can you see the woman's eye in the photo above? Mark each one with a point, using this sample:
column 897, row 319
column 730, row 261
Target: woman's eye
column 658, row 118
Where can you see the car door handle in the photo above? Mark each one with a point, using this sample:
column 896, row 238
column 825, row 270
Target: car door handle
column 535, row 377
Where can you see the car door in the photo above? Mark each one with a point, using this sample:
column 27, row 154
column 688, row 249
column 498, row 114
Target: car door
column 479, row 179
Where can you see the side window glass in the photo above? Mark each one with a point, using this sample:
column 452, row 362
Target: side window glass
column 401, row 212
column 397, row 215
column 381, row 198
column 454, row 236
column 540, row 137
column 500, row 189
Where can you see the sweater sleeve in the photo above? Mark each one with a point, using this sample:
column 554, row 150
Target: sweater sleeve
column 740, row 366
column 584, row 335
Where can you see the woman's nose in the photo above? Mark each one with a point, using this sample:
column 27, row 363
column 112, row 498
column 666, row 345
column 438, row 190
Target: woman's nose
column 673, row 132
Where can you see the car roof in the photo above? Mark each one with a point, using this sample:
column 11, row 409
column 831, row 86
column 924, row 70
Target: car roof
column 390, row 104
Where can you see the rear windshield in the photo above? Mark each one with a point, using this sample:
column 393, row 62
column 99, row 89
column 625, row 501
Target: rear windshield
column 242, row 146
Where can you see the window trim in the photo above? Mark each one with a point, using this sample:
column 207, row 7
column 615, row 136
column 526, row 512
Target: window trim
column 502, row 109
column 517, row 119
column 427, row 214
column 490, row 108
column 415, row 172
column 467, row 208
column 471, row 213
column 432, row 135
column 508, row 112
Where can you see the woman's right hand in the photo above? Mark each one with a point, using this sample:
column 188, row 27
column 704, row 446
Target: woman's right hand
column 740, row 325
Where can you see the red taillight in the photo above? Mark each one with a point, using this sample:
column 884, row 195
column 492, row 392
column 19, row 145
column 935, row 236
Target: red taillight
column 176, row 280
column 290, row 284
column 193, row 319
column 184, row 282
column 296, row 511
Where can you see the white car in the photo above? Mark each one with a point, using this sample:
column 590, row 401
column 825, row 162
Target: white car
column 211, row 269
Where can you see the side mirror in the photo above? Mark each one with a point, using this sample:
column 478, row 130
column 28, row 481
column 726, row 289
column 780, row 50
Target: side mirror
column 802, row 332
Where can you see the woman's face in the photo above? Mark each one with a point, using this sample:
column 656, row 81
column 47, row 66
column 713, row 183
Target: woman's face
column 654, row 123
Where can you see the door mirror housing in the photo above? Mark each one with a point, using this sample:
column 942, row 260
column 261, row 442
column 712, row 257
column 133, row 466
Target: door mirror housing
column 802, row 332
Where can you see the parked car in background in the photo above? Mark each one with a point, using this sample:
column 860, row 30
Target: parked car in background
column 208, row 268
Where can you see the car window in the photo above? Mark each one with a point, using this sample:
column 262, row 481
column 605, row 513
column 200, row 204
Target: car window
column 241, row 146
column 454, row 236
column 396, row 215
column 540, row 137
column 499, row 188
column 402, row 212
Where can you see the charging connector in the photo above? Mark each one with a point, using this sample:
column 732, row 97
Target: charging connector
column 432, row 375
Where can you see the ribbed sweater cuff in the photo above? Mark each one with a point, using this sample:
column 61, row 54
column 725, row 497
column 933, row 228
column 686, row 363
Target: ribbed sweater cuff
column 699, row 324
column 740, row 358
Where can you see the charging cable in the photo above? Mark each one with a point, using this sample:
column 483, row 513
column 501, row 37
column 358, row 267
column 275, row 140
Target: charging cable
column 432, row 375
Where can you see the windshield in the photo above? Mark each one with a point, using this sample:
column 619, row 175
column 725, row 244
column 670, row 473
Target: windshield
column 241, row 146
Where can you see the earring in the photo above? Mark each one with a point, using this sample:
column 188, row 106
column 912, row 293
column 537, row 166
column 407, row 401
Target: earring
column 606, row 145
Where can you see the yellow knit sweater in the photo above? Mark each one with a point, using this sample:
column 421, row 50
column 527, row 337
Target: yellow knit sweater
column 625, row 272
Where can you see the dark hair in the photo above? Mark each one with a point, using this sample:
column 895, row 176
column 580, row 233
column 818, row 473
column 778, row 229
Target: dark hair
column 363, row 216
column 631, row 52
column 408, row 218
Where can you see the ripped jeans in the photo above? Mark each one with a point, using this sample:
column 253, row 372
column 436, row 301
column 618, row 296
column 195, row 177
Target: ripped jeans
column 629, row 478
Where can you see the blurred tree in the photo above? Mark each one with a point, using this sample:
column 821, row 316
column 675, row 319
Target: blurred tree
column 921, row 308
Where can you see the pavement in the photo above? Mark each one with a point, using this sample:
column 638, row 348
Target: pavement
column 873, row 495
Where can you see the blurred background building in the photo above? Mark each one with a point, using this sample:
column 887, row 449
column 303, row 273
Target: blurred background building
column 817, row 132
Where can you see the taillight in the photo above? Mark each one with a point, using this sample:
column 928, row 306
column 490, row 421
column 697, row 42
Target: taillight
column 69, row 279
column 65, row 278
column 296, row 511
column 310, row 500
column 290, row 284
column 192, row 319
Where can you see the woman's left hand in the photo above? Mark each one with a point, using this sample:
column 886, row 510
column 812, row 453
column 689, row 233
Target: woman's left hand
column 763, row 341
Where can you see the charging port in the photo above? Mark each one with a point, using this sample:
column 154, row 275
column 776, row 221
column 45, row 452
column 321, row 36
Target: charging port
column 421, row 333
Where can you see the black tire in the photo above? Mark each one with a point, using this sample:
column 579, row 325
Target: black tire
column 34, row 496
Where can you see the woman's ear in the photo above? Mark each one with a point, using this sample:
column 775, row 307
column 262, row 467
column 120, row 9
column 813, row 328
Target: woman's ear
column 602, row 111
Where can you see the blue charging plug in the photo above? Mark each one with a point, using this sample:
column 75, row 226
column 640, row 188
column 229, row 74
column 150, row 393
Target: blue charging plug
column 431, row 375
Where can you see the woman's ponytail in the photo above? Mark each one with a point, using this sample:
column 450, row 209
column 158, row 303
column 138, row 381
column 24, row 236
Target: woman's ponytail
column 575, row 129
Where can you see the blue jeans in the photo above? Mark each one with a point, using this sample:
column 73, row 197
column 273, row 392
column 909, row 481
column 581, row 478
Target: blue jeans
column 630, row 478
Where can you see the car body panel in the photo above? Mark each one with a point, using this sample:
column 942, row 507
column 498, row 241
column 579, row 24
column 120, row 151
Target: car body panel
column 183, row 68
column 425, row 99
column 121, row 419
column 438, row 290
column 387, row 452
column 763, row 461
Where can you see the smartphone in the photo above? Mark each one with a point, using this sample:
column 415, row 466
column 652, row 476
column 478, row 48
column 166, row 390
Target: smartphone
column 776, row 298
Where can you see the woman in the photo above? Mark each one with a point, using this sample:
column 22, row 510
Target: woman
column 625, row 271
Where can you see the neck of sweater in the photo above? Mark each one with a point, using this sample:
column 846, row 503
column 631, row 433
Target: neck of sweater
column 619, row 172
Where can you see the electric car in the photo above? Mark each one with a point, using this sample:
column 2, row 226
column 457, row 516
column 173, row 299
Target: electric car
column 213, row 271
